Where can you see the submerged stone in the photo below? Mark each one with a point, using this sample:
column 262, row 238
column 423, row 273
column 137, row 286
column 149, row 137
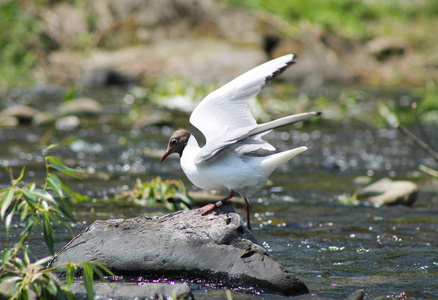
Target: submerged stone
column 216, row 247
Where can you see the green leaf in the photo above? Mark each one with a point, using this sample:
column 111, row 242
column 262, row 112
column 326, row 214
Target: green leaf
column 26, row 257
column 57, row 164
column 21, row 175
column 24, row 211
column 52, row 287
column 6, row 255
column 10, row 278
column 8, row 223
column 6, row 201
column 70, row 273
column 48, row 148
column 87, row 275
column 31, row 186
column 44, row 195
column 55, row 184
column 43, row 260
column 48, row 232
column 31, row 199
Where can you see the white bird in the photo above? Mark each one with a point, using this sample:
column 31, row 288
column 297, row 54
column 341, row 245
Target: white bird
column 230, row 159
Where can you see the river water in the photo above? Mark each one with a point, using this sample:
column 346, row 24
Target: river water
column 334, row 248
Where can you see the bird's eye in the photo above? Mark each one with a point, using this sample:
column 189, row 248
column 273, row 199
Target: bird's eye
column 174, row 141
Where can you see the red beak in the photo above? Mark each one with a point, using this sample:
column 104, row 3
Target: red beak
column 164, row 156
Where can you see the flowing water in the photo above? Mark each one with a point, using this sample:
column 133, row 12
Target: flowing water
column 335, row 249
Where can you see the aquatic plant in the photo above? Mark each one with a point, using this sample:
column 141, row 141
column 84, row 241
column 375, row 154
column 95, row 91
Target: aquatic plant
column 40, row 207
column 171, row 193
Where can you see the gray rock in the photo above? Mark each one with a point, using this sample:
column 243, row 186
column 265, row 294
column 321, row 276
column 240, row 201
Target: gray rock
column 67, row 123
column 356, row 295
column 82, row 106
column 385, row 48
column 102, row 77
column 9, row 122
column 43, row 118
column 388, row 192
column 216, row 247
column 126, row 290
column 23, row 113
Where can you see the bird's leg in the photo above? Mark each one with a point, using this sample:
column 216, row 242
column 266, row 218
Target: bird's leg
column 209, row 207
column 247, row 214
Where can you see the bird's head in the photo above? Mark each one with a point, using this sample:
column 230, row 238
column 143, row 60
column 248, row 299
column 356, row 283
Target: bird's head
column 177, row 142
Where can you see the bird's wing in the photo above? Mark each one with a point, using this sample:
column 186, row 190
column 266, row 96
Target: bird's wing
column 226, row 109
column 244, row 140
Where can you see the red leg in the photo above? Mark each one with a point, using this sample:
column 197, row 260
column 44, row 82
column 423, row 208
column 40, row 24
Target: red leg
column 247, row 214
column 209, row 207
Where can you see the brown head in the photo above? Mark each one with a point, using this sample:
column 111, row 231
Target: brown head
column 177, row 142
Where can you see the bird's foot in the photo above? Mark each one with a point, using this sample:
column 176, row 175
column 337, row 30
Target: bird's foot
column 207, row 208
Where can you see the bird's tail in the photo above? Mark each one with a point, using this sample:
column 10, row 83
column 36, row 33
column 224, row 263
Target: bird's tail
column 273, row 161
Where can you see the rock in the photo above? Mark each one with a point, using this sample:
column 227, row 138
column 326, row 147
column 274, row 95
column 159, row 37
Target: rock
column 384, row 48
column 125, row 290
column 356, row 295
column 215, row 248
column 23, row 113
column 103, row 77
column 9, row 121
column 43, row 118
column 67, row 123
column 388, row 192
column 82, row 106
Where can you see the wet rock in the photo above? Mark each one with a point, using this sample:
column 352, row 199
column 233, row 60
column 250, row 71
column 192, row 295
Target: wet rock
column 385, row 48
column 67, row 123
column 23, row 113
column 102, row 77
column 388, row 192
column 82, row 106
column 124, row 290
column 9, row 121
column 216, row 247
column 43, row 118
column 356, row 295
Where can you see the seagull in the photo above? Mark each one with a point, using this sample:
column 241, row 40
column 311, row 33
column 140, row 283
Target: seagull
column 234, row 158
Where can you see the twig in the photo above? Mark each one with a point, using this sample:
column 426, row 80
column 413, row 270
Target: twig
column 428, row 170
column 419, row 142
column 420, row 125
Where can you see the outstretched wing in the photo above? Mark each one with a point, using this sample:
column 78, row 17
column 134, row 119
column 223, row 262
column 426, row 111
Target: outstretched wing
column 226, row 109
column 244, row 140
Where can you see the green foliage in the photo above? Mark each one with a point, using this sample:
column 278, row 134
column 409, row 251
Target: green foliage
column 26, row 277
column 428, row 106
column 40, row 207
column 19, row 41
column 350, row 18
column 171, row 193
